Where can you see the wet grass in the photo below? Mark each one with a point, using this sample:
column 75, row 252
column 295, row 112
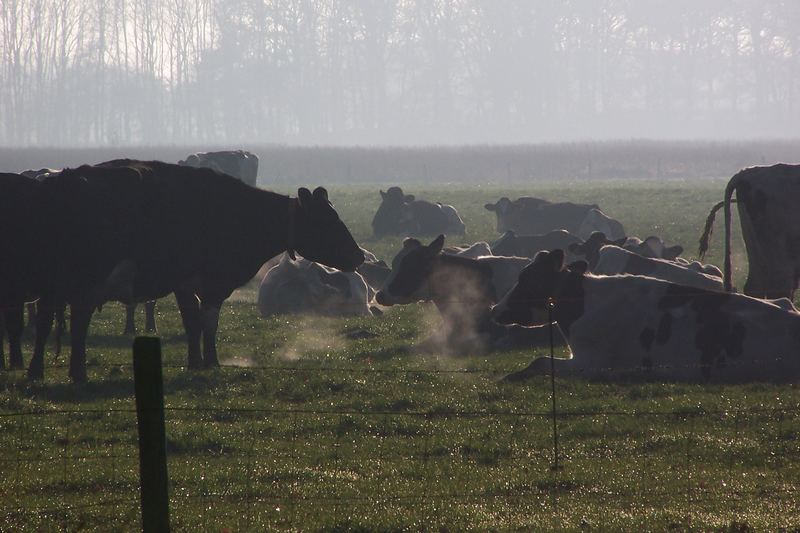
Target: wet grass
column 315, row 430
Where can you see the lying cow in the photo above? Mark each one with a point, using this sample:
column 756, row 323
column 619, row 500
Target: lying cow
column 513, row 245
column 534, row 216
column 402, row 214
column 237, row 163
column 306, row 287
column 626, row 323
column 652, row 247
column 463, row 291
column 615, row 260
column 376, row 272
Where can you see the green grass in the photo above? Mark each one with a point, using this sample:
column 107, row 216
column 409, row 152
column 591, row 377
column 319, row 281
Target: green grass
column 314, row 431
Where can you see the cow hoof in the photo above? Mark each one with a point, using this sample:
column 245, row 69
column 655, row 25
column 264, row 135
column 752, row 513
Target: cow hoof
column 211, row 364
column 35, row 374
column 195, row 364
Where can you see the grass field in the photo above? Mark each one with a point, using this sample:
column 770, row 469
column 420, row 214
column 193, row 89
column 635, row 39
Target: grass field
column 309, row 429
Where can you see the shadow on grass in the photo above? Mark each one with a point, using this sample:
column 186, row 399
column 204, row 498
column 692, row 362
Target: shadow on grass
column 108, row 388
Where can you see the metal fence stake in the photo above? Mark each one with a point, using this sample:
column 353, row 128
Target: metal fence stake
column 149, row 387
column 550, row 305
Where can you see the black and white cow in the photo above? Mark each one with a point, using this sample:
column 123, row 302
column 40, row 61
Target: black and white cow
column 767, row 199
column 634, row 323
column 402, row 214
column 534, row 216
column 237, row 163
column 306, row 287
column 463, row 291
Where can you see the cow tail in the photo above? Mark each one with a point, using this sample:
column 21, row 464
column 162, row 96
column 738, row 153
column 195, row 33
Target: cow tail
column 727, row 274
column 708, row 230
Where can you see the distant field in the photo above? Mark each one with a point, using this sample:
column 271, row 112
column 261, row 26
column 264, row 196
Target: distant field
column 309, row 429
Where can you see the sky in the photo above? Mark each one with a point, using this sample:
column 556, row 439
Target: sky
column 395, row 72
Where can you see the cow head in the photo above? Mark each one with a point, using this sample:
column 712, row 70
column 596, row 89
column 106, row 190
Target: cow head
column 411, row 269
column 654, row 247
column 318, row 234
column 545, row 279
column 505, row 244
column 392, row 215
column 590, row 249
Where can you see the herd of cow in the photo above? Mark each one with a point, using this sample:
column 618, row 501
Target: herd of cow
column 134, row 231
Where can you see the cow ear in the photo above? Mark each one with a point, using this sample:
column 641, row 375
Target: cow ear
column 490, row 207
column 408, row 198
column 383, row 195
column 303, row 195
column 436, row 244
column 320, row 193
column 410, row 242
column 672, row 252
column 578, row 267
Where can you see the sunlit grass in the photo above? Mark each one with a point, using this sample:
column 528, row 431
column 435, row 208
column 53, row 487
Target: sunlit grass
column 316, row 431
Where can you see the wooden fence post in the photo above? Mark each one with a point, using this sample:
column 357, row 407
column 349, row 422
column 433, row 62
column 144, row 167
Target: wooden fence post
column 149, row 389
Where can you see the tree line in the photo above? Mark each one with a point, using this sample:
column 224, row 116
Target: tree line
column 121, row 72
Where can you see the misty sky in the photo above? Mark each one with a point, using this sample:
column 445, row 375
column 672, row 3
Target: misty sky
column 412, row 72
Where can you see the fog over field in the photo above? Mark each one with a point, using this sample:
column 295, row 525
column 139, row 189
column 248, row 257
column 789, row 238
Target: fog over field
column 395, row 72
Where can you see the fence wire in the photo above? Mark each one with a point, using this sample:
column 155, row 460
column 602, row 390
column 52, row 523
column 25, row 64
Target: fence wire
column 237, row 465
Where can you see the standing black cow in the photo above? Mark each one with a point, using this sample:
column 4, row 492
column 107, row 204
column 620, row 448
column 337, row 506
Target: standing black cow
column 23, row 264
column 136, row 231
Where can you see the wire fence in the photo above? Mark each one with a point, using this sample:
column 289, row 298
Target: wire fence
column 284, row 466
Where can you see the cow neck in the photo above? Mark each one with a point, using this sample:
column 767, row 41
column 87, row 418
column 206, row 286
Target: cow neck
column 449, row 267
column 291, row 227
column 280, row 226
column 569, row 300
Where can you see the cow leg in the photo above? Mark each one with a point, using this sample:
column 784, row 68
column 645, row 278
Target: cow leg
column 210, row 318
column 61, row 326
column 150, row 317
column 31, row 307
column 189, row 307
column 130, row 319
column 79, row 328
column 2, row 341
column 15, row 323
column 44, row 323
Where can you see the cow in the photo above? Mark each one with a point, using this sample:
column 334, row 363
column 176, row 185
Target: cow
column 767, row 198
column 402, row 214
column 640, row 324
column 463, row 291
column 615, row 260
column 306, row 287
column 512, row 245
column 139, row 230
column 237, row 163
column 534, row 216
column 25, row 264
column 651, row 247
